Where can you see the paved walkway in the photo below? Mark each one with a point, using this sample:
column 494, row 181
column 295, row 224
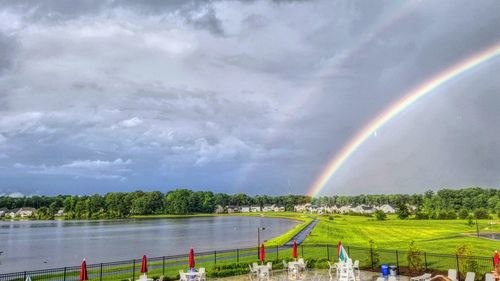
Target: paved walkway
column 302, row 235
column 312, row 275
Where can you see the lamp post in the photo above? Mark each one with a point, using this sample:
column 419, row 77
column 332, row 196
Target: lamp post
column 477, row 228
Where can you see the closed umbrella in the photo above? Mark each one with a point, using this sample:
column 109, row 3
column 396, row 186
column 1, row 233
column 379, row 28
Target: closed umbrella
column 191, row 258
column 496, row 259
column 262, row 253
column 144, row 264
column 83, row 271
column 295, row 254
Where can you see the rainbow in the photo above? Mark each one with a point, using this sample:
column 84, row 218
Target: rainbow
column 392, row 111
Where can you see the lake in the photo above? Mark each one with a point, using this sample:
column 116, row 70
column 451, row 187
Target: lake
column 30, row 245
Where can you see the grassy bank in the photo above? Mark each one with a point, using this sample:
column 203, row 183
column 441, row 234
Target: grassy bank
column 437, row 236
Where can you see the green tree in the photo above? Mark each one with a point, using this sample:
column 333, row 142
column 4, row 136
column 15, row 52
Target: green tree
column 402, row 211
column 380, row 215
column 481, row 213
column 463, row 214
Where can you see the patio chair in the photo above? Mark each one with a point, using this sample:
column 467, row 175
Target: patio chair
column 452, row 274
column 285, row 264
column 489, row 277
column 202, row 273
column 355, row 268
column 470, row 276
column 182, row 276
column 253, row 270
column 161, row 278
column 264, row 273
column 422, row 277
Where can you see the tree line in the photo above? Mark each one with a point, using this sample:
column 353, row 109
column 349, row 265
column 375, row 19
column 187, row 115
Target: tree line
column 443, row 204
column 463, row 203
column 124, row 204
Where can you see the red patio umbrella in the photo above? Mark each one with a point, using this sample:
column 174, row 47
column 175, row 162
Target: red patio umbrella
column 496, row 259
column 295, row 254
column 144, row 264
column 191, row 258
column 262, row 253
column 83, row 271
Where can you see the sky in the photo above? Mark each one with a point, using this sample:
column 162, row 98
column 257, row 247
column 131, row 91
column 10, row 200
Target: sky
column 244, row 96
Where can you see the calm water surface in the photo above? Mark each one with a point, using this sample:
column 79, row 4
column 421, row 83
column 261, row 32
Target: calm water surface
column 29, row 245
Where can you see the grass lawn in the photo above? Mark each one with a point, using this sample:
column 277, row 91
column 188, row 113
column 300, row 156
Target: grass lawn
column 434, row 236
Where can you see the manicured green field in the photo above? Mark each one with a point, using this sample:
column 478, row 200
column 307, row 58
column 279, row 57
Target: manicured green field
column 434, row 236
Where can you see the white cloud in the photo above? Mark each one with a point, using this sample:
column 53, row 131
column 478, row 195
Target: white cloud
column 132, row 122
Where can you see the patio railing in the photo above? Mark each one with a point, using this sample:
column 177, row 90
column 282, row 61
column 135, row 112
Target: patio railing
column 318, row 254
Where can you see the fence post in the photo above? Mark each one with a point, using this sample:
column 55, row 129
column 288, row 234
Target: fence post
column 163, row 265
column 425, row 260
column 397, row 262
column 238, row 255
column 64, row 275
column 25, row 275
column 371, row 257
column 328, row 251
column 277, row 252
column 215, row 257
column 100, row 273
column 458, row 269
column 133, row 270
column 348, row 251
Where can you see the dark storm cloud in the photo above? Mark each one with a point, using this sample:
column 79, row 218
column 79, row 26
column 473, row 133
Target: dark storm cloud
column 241, row 95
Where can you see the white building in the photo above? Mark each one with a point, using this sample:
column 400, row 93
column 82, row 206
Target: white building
column 279, row 209
column 26, row 212
column 255, row 209
column 388, row 209
column 268, row 208
column 245, row 209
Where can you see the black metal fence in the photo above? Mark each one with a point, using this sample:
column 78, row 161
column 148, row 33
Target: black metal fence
column 169, row 266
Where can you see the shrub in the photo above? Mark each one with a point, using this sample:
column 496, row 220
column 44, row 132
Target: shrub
column 465, row 262
column 463, row 214
column 481, row 214
column 421, row 216
column 414, row 257
column 403, row 212
column 380, row 215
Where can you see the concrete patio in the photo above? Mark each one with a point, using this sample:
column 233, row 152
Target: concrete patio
column 312, row 275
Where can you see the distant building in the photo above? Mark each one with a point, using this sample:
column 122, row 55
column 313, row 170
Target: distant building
column 344, row 209
column 363, row 209
column 25, row 212
column 279, row 208
column 245, row 209
column 268, row 208
column 255, row 209
column 59, row 213
column 3, row 211
column 388, row 209
column 233, row 209
column 12, row 213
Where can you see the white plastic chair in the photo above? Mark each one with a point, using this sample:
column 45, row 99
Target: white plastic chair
column 264, row 273
column 489, row 277
column 183, row 276
column 470, row 276
column 452, row 274
column 202, row 274
column 355, row 268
